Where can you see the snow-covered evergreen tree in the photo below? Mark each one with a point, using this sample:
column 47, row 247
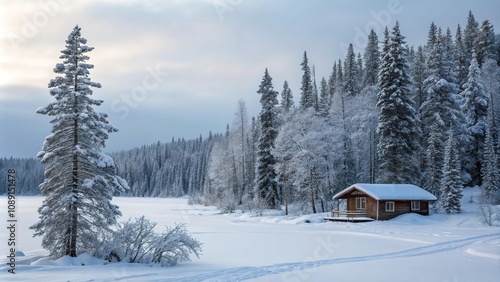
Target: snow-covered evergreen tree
column 306, row 96
column 490, row 170
column 441, row 110
column 484, row 43
column 267, row 188
column 431, row 178
column 471, row 32
column 372, row 59
column 79, row 178
column 360, row 72
column 451, row 183
column 418, row 75
column 475, row 107
column 351, row 82
column 398, row 123
column 286, row 98
column 332, row 82
column 460, row 59
column 324, row 98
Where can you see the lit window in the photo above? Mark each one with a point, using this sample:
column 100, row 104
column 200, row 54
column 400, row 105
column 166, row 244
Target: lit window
column 389, row 206
column 415, row 205
column 361, row 203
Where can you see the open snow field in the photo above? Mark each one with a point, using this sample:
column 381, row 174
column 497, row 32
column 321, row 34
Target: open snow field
column 239, row 247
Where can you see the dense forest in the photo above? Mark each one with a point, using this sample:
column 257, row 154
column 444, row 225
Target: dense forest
column 426, row 115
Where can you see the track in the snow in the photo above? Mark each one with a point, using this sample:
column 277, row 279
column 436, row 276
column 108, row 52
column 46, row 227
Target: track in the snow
column 244, row 273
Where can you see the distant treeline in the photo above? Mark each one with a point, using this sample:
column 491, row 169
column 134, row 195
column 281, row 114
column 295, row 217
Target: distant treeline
column 170, row 169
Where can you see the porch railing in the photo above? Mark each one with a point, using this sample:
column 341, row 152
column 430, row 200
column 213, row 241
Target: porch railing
column 349, row 214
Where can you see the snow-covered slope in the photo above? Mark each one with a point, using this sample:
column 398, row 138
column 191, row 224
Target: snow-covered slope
column 239, row 247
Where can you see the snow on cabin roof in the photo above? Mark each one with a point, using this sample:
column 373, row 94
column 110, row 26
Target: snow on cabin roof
column 390, row 192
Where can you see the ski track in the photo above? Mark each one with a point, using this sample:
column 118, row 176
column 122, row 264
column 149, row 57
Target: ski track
column 244, row 273
column 252, row 272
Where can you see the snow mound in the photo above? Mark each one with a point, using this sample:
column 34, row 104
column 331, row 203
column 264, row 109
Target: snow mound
column 83, row 259
column 413, row 219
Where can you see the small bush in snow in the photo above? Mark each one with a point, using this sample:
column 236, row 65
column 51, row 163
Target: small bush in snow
column 136, row 241
column 196, row 200
column 488, row 214
column 258, row 205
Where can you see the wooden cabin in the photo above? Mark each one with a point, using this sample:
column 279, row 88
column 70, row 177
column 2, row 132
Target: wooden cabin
column 365, row 202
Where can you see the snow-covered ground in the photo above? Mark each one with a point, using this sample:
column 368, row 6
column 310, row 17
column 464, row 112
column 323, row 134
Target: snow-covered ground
column 239, row 247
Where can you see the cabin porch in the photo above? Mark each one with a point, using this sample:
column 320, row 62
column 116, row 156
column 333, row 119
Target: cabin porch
column 349, row 216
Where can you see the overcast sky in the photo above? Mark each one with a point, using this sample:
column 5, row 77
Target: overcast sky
column 178, row 68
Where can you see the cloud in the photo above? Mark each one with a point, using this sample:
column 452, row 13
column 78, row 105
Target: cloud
column 212, row 61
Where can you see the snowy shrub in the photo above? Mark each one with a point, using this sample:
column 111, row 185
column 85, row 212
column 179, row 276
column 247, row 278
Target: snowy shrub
column 488, row 214
column 227, row 203
column 196, row 200
column 136, row 242
column 259, row 205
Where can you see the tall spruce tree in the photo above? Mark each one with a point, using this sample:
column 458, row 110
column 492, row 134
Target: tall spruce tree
column 397, row 128
column 372, row 59
column 306, row 97
column 471, row 32
column 490, row 170
column 324, row 98
column 441, row 111
column 418, row 75
column 460, row 59
column 432, row 175
column 286, row 98
column 451, row 183
column 267, row 187
column 485, row 43
column 475, row 107
column 79, row 179
column 332, row 81
column 351, row 87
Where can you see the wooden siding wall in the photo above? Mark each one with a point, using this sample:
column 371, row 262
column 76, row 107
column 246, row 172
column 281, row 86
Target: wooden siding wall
column 401, row 207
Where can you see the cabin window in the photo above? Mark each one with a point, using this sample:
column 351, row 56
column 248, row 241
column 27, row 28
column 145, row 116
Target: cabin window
column 415, row 205
column 389, row 206
column 361, row 203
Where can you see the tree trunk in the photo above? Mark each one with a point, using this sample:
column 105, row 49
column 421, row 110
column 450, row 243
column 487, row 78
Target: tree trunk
column 73, row 208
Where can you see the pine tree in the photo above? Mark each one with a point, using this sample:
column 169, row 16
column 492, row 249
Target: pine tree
column 418, row 75
column 398, row 123
column 451, row 183
column 475, row 107
column 372, row 59
column 471, row 32
column 489, row 170
column 360, row 73
column 79, row 179
column 324, row 98
column 267, row 188
column 431, row 180
column 449, row 57
column 441, row 111
column 484, row 43
column 432, row 37
column 461, row 60
column 332, row 81
column 306, row 98
column 286, row 98
column 351, row 87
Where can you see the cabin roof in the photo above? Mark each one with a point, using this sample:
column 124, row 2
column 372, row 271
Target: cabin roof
column 389, row 192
